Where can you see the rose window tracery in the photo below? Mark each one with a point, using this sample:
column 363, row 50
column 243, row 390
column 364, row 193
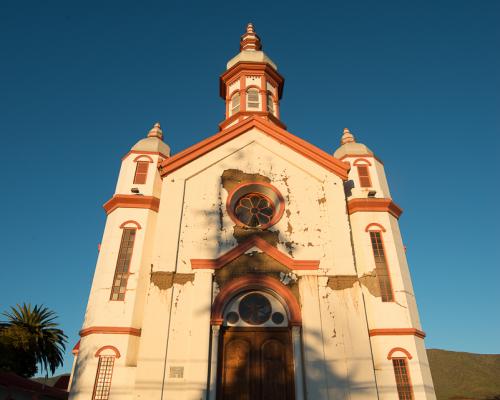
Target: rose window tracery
column 254, row 210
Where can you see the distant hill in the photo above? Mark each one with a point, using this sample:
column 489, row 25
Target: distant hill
column 461, row 376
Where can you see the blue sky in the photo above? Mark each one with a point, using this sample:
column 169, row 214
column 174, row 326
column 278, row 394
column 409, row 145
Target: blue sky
column 418, row 82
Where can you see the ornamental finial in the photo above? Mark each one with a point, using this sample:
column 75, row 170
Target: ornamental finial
column 156, row 131
column 249, row 40
column 347, row 137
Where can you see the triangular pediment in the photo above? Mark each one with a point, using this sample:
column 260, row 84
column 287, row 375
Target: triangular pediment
column 284, row 137
column 261, row 244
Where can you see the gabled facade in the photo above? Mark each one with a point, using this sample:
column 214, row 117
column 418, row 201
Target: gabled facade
column 252, row 265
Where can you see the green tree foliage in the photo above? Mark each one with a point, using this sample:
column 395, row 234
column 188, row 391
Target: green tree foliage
column 29, row 338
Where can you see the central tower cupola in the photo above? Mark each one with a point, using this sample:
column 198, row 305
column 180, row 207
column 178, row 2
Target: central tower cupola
column 251, row 85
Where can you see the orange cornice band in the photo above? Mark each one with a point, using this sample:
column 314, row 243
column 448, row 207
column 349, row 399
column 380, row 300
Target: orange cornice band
column 387, row 205
column 131, row 201
column 295, row 143
column 250, row 68
column 113, row 330
column 254, row 241
column 397, row 332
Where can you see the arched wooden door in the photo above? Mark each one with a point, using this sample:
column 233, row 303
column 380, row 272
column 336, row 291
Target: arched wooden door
column 255, row 351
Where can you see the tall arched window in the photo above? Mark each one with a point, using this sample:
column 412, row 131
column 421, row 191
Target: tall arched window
column 381, row 267
column 270, row 103
column 104, row 373
column 363, row 166
column 402, row 372
column 235, row 103
column 123, row 264
column 253, row 99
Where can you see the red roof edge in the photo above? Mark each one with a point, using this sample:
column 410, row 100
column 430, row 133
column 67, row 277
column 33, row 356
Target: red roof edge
column 297, row 144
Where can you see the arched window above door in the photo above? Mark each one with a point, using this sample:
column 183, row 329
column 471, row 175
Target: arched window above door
column 255, row 309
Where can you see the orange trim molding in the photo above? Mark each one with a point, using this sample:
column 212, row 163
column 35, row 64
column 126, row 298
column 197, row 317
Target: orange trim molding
column 295, row 143
column 143, row 157
column 156, row 153
column 359, row 161
column 137, row 224
column 254, row 241
column 131, row 201
column 369, row 204
column 254, row 282
column 249, row 68
column 76, row 348
column 362, row 155
column 371, row 227
column 110, row 330
column 406, row 352
column 397, row 332
column 98, row 352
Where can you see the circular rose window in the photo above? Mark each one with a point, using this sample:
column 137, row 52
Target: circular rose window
column 255, row 205
column 254, row 210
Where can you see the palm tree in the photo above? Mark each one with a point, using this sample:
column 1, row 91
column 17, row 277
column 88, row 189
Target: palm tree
column 45, row 341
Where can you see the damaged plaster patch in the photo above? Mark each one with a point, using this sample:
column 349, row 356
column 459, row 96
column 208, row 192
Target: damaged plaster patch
column 233, row 177
column 164, row 280
column 341, row 282
column 370, row 281
column 322, row 200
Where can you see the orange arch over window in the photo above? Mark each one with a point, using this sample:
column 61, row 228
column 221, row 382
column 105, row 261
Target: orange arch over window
column 143, row 157
column 255, row 282
column 374, row 227
column 124, row 225
column 362, row 161
column 113, row 348
column 395, row 349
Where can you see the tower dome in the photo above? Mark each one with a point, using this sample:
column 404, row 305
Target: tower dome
column 153, row 142
column 349, row 146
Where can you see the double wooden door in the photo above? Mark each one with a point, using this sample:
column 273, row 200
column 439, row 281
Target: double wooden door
column 255, row 364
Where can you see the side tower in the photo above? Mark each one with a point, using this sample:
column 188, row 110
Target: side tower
column 111, row 329
column 396, row 335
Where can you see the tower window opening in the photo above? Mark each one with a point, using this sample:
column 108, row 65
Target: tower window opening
column 381, row 266
column 270, row 103
column 364, row 176
column 403, row 383
column 253, row 100
column 235, row 103
column 123, row 264
column 103, row 377
column 141, row 172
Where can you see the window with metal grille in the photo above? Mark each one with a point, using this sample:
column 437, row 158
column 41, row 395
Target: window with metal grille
column 123, row 264
column 253, row 98
column 270, row 103
column 364, row 176
column 403, row 383
column 141, row 172
column 103, row 376
column 235, row 103
column 381, row 266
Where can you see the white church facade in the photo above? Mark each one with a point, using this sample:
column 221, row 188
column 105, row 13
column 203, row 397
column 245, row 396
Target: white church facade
column 252, row 265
